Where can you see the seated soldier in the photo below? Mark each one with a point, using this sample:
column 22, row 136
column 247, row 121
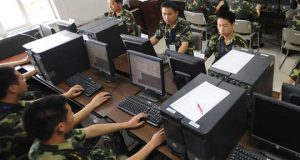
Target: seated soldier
column 294, row 77
column 117, row 10
column 51, row 121
column 295, row 23
column 14, row 141
column 226, row 39
column 175, row 30
column 246, row 10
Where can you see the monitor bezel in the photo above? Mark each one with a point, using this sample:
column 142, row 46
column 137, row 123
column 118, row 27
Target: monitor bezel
column 145, row 56
column 266, row 141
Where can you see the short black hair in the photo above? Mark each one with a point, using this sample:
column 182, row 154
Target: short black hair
column 7, row 77
column 42, row 116
column 119, row 1
column 169, row 4
column 228, row 15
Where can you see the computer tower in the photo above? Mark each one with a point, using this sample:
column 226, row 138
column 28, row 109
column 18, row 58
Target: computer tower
column 215, row 134
column 109, row 33
column 88, row 26
column 58, row 56
column 172, row 119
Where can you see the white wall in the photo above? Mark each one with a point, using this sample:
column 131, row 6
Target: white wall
column 82, row 11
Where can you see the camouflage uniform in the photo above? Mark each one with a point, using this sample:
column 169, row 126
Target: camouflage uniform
column 202, row 6
column 247, row 11
column 74, row 148
column 296, row 22
column 217, row 46
column 14, row 142
column 295, row 74
column 127, row 17
column 181, row 32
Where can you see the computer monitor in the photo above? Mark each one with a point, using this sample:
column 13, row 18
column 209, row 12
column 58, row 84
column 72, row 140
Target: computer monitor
column 184, row 67
column 276, row 123
column 290, row 93
column 138, row 44
column 66, row 25
column 46, row 30
column 100, row 59
column 147, row 71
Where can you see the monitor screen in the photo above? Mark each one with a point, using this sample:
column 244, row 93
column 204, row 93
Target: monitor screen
column 99, row 58
column 289, row 93
column 276, row 123
column 138, row 44
column 66, row 25
column 185, row 67
column 146, row 71
column 46, row 30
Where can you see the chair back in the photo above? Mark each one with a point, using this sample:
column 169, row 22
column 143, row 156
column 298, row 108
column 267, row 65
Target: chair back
column 291, row 36
column 195, row 18
column 242, row 26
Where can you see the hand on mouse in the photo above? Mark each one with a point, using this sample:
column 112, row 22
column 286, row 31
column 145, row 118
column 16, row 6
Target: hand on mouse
column 99, row 99
column 74, row 91
column 136, row 120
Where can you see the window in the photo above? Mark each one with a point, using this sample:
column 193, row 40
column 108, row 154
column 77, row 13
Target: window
column 19, row 13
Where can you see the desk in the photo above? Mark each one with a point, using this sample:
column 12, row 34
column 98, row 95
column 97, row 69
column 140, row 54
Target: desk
column 120, row 89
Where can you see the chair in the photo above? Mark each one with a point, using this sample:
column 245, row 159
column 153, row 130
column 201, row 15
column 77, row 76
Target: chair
column 197, row 41
column 244, row 28
column 290, row 41
column 197, row 21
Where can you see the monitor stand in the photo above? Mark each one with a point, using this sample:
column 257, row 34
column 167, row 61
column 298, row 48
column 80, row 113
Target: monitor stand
column 107, row 77
column 151, row 95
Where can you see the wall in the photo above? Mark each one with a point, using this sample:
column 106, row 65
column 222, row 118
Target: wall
column 82, row 11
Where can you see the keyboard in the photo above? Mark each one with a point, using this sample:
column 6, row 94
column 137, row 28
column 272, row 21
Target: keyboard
column 240, row 153
column 135, row 105
column 90, row 86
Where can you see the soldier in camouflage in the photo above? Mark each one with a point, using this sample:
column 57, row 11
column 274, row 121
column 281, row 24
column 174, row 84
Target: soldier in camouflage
column 116, row 10
column 226, row 39
column 50, row 120
column 176, row 31
column 294, row 77
column 15, row 143
column 295, row 24
column 247, row 11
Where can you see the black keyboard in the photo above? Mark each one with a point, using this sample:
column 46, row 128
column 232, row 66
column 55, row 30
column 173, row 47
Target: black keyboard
column 240, row 153
column 90, row 86
column 135, row 105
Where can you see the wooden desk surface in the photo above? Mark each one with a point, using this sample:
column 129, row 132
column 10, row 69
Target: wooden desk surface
column 17, row 57
column 119, row 90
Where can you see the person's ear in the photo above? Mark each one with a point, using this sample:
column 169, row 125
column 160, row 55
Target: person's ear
column 61, row 127
column 13, row 88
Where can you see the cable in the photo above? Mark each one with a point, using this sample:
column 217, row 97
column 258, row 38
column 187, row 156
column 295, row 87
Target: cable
column 36, row 34
column 28, row 35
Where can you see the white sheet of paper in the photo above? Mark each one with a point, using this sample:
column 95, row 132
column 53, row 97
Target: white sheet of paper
column 233, row 61
column 172, row 47
column 196, row 103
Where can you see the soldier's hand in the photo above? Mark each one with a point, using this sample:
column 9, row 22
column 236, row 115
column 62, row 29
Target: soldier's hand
column 74, row 91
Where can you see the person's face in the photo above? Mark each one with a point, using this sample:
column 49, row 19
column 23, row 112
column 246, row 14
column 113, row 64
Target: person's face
column 169, row 15
column 21, row 86
column 114, row 6
column 225, row 27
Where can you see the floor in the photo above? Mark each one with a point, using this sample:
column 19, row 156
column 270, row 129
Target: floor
column 271, row 47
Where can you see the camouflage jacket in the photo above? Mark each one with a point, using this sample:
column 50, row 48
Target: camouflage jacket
column 217, row 46
column 14, row 142
column 127, row 17
column 202, row 6
column 295, row 24
column 73, row 148
column 295, row 74
column 243, row 9
column 181, row 32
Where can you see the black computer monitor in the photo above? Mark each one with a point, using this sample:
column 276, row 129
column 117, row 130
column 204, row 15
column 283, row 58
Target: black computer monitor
column 138, row 44
column 100, row 59
column 290, row 93
column 66, row 25
column 147, row 71
column 46, row 30
column 184, row 67
column 276, row 123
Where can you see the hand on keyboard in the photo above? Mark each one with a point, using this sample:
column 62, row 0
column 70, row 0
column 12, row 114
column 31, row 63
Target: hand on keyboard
column 135, row 121
column 99, row 99
column 74, row 91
